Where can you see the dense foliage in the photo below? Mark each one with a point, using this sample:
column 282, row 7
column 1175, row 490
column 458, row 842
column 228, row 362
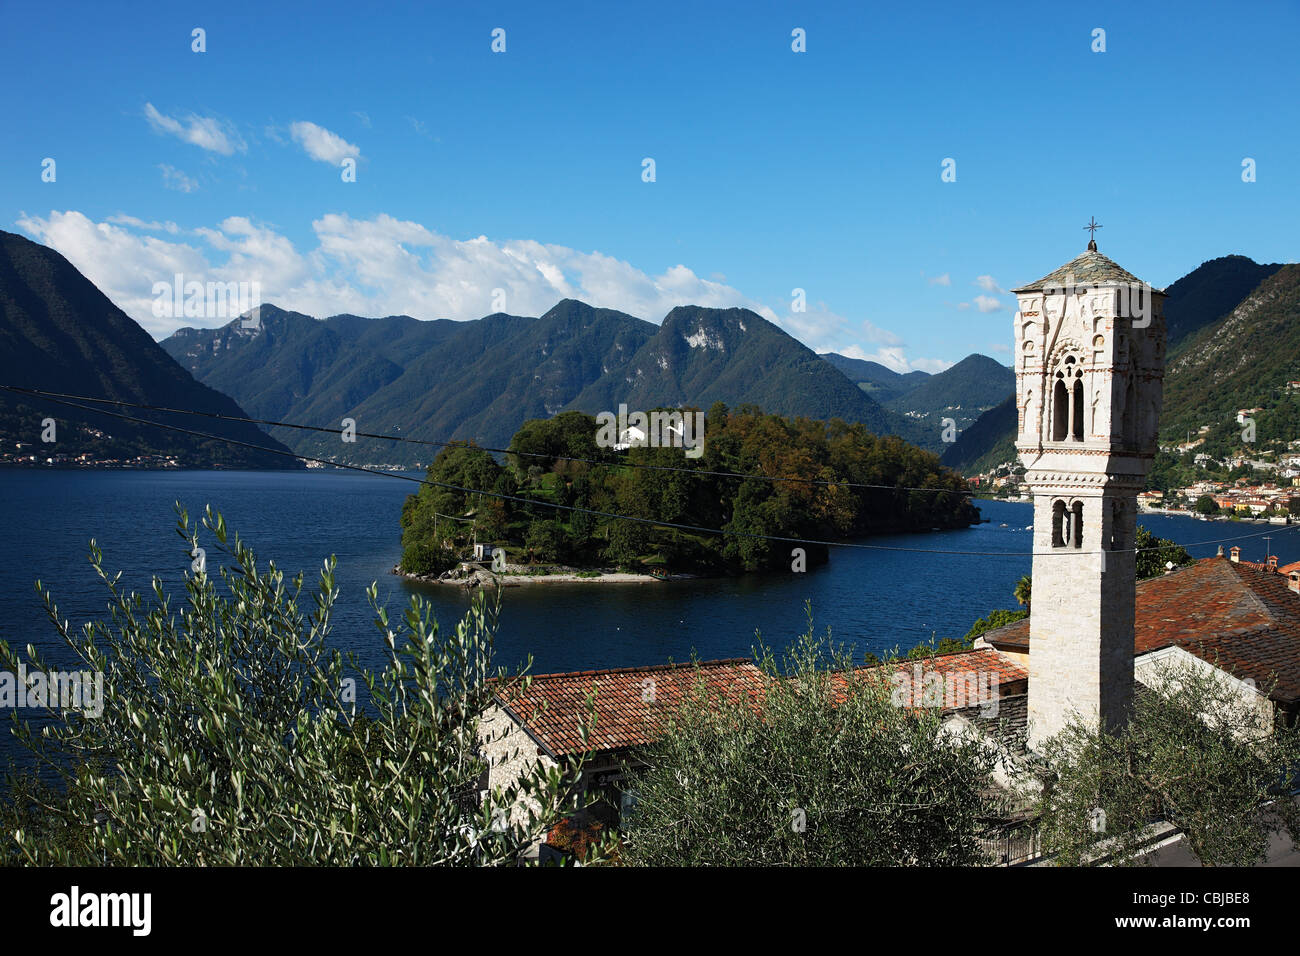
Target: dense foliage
column 823, row 770
column 441, row 521
column 1193, row 754
column 233, row 734
column 1154, row 554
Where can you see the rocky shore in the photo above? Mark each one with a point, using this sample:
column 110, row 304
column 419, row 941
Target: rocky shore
column 521, row 575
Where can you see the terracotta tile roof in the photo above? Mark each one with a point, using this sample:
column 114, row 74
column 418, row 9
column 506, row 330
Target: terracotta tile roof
column 554, row 705
column 1004, row 669
column 1243, row 615
column 628, row 702
column 1004, row 673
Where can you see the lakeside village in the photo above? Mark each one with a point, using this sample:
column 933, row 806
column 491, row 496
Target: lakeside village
column 1262, row 485
column 26, row 454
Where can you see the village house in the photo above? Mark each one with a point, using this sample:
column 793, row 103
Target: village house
column 1151, row 499
column 541, row 721
column 622, row 709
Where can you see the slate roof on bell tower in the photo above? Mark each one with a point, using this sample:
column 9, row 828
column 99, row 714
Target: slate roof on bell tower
column 1090, row 268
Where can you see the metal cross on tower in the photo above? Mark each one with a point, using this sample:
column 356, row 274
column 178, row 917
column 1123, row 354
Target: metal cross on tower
column 1092, row 228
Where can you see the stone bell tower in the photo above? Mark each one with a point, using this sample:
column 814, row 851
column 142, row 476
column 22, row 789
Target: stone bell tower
column 1090, row 359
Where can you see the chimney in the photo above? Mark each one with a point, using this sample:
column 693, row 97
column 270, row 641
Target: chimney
column 1293, row 581
column 1236, row 553
column 1220, row 554
column 1272, row 562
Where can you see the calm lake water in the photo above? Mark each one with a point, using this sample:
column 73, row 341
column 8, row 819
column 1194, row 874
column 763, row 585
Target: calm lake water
column 874, row 599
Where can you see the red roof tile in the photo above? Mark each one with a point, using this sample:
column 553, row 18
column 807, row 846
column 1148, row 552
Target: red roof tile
column 554, row 705
column 628, row 702
column 1002, row 672
column 987, row 659
column 1241, row 616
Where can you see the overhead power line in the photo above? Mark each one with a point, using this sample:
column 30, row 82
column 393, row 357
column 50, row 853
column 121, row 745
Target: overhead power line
column 573, row 508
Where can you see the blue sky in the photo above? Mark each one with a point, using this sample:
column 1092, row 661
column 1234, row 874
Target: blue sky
column 774, row 170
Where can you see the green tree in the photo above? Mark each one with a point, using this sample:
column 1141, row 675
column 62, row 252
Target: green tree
column 430, row 517
column 231, row 733
column 1154, row 553
column 582, row 525
column 626, row 539
column 427, row 557
column 546, row 541
column 994, row 620
column 491, row 520
column 1206, row 505
column 823, row 770
column 1194, row 754
column 1024, row 591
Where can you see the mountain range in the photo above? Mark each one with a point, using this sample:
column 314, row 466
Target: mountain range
column 59, row 333
column 441, row 380
column 1234, row 343
column 878, row 381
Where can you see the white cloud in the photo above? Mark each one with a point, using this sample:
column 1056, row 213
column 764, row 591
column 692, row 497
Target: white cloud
column 944, row 279
column 986, row 303
column 207, row 132
column 387, row 266
column 875, row 333
column 175, row 179
column 933, row 366
column 320, row 144
column 378, row 266
column 894, row 359
column 364, row 118
column 818, row 327
column 989, row 284
column 121, row 263
column 136, row 223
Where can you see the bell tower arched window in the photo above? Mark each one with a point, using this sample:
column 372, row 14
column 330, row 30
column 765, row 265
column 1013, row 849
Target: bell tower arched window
column 1068, row 406
column 1076, row 405
column 1129, row 433
column 1060, row 524
column 1060, row 408
column 1076, row 526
